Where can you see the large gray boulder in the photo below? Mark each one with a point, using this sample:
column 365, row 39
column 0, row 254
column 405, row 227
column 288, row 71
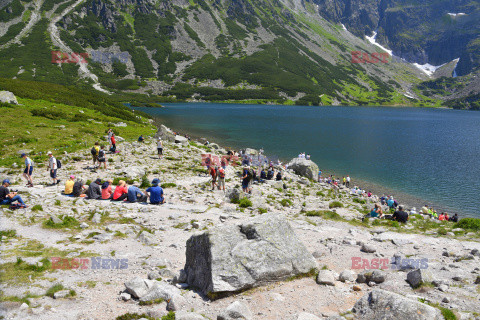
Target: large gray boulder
column 181, row 140
column 237, row 257
column 8, row 97
column 304, row 168
column 166, row 134
column 385, row 305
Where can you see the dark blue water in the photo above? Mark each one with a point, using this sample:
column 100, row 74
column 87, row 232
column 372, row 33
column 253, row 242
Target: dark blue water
column 431, row 154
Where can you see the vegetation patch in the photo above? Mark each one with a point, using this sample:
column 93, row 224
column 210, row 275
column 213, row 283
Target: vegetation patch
column 335, row 204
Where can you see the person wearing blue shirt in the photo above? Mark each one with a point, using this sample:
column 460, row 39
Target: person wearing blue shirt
column 135, row 195
column 155, row 193
column 28, row 170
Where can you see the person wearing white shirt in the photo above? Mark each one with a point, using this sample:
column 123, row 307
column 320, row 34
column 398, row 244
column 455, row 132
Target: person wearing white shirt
column 52, row 167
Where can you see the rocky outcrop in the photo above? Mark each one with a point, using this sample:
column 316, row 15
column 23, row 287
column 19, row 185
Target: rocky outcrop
column 237, row 257
column 304, row 168
column 8, row 97
column 385, row 305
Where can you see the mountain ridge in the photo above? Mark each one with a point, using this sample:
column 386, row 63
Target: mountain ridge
column 280, row 51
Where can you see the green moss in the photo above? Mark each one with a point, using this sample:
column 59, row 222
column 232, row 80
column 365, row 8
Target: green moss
column 335, row 204
column 244, row 203
column 67, row 222
column 286, row 202
column 150, row 302
column 37, row 208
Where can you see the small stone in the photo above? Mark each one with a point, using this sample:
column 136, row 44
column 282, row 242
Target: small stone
column 356, row 288
column 443, row 288
column 176, row 302
column 368, row 248
column 307, row 316
column 125, row 296
column 56, row 219
column 24, row 306
column 347, row 275
column 326, row 277
column 61, row 294
column 445, row 300
column 83, row 225
column 236, row 310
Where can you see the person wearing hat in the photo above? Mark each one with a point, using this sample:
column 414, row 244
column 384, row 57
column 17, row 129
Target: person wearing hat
column 134, row 194
column 7, row 197
column 94, row 191
column 52, row 167
column 69, row 185
column 160, row 148
column 27, row 174
column 155, row 192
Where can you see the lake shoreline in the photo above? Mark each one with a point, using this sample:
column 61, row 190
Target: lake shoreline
column 409, row 201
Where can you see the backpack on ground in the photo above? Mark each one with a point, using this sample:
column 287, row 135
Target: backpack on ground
column 93, row 151
column 59, row 164
column 15, row 206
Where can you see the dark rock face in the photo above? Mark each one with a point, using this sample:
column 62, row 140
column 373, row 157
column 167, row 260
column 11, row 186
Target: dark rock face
column 101, row 10
column 424, row 33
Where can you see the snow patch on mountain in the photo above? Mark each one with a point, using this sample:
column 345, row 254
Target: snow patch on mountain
column 457, row 14
column 373, row 40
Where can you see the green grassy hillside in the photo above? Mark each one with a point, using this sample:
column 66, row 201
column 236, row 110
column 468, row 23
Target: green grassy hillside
column 57, row 118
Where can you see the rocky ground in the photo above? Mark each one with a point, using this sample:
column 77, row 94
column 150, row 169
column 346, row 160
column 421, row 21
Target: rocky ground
column 149, row 242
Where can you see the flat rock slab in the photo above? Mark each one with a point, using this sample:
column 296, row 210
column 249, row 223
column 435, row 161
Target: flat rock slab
column 191, row 208
column 237, row 257
column 385, row 305
column 396, row 238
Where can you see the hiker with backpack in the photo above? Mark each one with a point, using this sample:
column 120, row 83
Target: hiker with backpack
column 27, row 173
column 113, row 142
column 246, row 177
column 53, row 166
column 7, row 197
column 95, row 151
column 101, row 157
column 221, row 179
column 213, row 173
column 160, row 148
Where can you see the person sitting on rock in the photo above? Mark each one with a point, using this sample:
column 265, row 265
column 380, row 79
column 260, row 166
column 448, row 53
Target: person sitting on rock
column 447, row 218
column 79, row 189
column 279, row 176
column 270, row 174
column 441, row 217
column 69, row 186
column 107, row 192
column 425, row 209
column 155, row 192
column 400, row 215
column 120, row 192
column 376, row 211
column 141, row 139
column 134, row 194
column 94, row 191
column 7, row 197
column 454, row 218
column 263, row 175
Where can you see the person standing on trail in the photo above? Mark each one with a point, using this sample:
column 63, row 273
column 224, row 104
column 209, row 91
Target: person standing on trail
column 95, row 152
column 110, row 134
column 348, row 181
column 52, row 168
column 213, row 173
column 160, row 148
column 27, row 173
column 221, row 179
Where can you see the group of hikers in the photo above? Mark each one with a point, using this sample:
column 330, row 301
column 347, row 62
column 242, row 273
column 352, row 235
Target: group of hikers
column 396, row 212
column 104, row 190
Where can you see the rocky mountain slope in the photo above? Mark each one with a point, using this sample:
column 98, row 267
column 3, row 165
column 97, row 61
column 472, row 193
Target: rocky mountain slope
column 287, row 51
